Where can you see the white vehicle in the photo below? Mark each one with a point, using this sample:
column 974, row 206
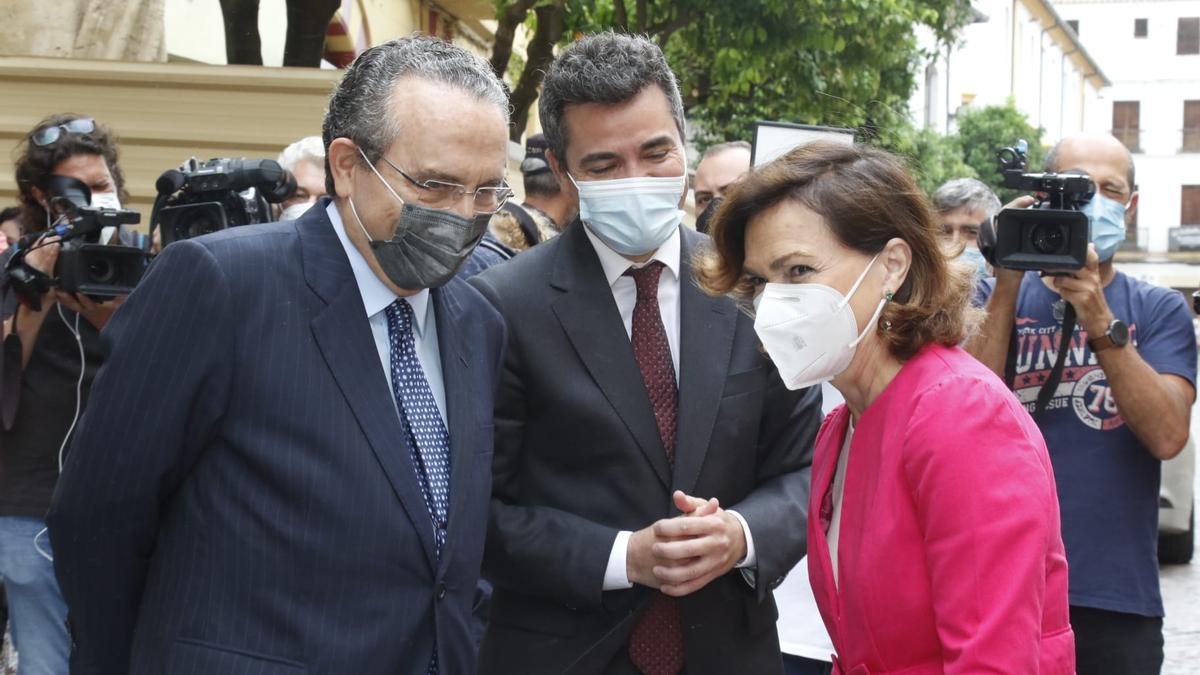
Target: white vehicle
column 1177, row 508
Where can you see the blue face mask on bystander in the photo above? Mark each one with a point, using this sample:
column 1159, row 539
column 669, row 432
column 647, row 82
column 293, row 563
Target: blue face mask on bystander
column 971, row 257
column 1107, row 220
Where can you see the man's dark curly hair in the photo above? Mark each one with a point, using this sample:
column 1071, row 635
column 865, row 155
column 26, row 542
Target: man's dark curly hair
column 35, row 164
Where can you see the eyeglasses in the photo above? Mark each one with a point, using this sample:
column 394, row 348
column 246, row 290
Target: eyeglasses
column 442, row 195
column 50, row 135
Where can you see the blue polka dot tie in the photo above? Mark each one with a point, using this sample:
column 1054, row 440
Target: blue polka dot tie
column 428, row 439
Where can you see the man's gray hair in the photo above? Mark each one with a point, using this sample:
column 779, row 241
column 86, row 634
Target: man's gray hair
column 359, row 108
column 604, row 68
column 968, row 193
column 721, row 148
column 307, row 149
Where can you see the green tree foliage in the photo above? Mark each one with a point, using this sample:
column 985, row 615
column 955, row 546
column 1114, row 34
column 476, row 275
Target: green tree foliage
column 983, row 131
column 818, row 61
column 932, row 158
column 969, row 152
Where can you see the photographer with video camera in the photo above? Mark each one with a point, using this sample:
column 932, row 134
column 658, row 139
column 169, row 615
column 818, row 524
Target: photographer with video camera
column 52, row 352
column 1112, row 404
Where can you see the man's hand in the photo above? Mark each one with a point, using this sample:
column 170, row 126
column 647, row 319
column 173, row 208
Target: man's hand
column 1085, row 290
column 640, row 560
column 695, row 549
column 96, row 313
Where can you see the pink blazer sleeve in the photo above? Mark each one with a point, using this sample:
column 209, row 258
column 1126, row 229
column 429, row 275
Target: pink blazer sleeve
column 985, row 498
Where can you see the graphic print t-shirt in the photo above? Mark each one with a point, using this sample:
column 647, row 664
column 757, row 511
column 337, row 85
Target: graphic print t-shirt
column 1108, row 482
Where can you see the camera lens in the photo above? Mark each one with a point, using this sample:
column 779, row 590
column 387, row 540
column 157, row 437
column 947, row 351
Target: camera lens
column 1048, row 239
column 102, row 270
column 198, row 226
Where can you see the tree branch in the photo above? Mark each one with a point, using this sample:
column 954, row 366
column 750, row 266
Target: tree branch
column 663, row 30
column 642, row 16
column 551, row 23
column 621, row 16
column 506, row 28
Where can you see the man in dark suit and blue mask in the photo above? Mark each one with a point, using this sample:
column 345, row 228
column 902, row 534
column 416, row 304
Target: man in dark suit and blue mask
column 629, row 397
column 285, row 463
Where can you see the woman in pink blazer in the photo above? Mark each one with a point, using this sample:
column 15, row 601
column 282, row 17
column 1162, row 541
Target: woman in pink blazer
column 934, row 541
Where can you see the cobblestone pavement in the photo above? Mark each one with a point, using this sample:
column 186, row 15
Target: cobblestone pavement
column 1181, row 595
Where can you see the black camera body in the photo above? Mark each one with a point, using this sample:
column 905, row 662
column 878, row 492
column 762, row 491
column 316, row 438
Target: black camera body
column 85, row 264
column 204, row 197
column 1050, row 237
column 88, row 266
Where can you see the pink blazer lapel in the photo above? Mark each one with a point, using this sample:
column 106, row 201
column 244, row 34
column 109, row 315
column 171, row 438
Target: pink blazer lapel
column 820, row 569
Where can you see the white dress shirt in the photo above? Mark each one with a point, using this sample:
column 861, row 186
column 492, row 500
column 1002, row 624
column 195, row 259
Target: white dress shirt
column 801, row 630
column 624, row 290
column 834, row 535
column 376, row 297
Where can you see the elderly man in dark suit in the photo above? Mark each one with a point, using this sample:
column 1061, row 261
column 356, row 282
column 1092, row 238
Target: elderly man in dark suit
column 628, row 397
column 285, row 462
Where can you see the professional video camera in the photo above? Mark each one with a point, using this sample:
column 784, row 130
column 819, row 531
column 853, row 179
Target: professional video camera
column 85, row 264
column 1050, row 237
column 203, row 197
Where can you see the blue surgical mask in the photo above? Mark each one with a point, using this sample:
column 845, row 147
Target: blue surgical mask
column 971, row 257
column 633, row 216
column 1106, row 217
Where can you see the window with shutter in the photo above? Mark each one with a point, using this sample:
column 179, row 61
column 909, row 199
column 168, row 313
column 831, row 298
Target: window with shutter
column 1187, row 40
column 1190, row 213
column 1140, row 28
column 1126, row 123
column 1191, row 126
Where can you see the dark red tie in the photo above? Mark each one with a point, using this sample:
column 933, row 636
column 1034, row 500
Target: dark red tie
column 656, row 645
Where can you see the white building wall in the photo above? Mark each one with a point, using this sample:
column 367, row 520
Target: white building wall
column 994, row 62
column 195, row 30
column 1149, row 71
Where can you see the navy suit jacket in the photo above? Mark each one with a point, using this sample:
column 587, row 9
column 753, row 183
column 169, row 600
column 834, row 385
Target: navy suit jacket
column 239, row 496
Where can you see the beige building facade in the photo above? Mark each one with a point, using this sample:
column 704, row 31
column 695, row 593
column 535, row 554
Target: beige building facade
column 161, row 84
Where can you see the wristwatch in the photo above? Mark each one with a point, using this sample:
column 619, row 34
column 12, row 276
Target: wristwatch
column 1117, row 335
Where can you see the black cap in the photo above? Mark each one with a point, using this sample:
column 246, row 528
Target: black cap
column 535, row 154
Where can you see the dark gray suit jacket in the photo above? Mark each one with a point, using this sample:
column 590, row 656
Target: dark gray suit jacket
column 240, row 499
column 578, row 458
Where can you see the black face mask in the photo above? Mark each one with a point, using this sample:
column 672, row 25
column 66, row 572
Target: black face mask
column 428, row 247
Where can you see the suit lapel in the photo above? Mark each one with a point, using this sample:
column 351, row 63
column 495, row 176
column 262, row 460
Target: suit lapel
column 706, row 327
column 589, row 317
column 461, row 421
column 344, row 337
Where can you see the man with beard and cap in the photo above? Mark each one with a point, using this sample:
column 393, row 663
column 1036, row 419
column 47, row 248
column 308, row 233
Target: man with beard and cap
column 547, row 207
column 304, row 487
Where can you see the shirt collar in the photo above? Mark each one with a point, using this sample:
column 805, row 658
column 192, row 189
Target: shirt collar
column 615, row 264
column 376, row 296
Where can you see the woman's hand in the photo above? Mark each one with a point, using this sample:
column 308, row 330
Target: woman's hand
column 97, row 313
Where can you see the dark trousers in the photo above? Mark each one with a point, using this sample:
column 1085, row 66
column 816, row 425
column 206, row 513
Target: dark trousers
column 1116, row 643
column 798, row 665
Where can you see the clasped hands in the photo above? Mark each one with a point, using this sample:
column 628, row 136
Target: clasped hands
column 681, row 555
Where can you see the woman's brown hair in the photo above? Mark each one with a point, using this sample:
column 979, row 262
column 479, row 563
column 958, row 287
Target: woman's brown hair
column 866, row 198
column 36, row 163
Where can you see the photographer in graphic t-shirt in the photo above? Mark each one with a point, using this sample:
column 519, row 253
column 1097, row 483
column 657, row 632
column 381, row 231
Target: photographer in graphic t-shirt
column 1122, row 406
